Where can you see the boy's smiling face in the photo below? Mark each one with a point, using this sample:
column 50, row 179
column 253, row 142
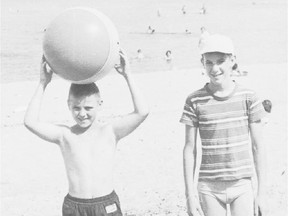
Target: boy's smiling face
column 218, row 66
column 84, row 109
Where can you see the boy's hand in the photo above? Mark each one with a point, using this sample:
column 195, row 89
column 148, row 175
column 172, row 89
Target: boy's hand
column 261, row 206
column 124, row 67
column 45, row 73
column 194, row 207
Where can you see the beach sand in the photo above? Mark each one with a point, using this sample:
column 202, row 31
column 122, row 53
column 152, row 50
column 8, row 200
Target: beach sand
column 148, row 173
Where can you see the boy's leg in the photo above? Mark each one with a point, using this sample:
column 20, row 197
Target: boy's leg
column 213, row 198
column 212, row 206
column 243, row 205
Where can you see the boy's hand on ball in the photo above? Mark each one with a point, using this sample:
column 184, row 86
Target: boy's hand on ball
column 45, row 72
column 124, row 67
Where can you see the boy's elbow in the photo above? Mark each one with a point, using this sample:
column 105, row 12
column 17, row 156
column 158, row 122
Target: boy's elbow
column 144, row 113
column 27, row 124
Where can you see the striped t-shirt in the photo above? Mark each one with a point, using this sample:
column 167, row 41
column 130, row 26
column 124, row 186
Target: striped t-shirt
column 223, row 124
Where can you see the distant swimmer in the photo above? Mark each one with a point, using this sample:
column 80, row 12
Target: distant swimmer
column 140, row 55
column 168, row 56
column 150, row 30
column 203, row 36
column 169, row 59
column 187, row 31
column 184, row 9
column 159, row 12
column 203, row 10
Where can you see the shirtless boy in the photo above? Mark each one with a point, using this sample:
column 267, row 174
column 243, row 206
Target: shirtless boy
column 88, row 147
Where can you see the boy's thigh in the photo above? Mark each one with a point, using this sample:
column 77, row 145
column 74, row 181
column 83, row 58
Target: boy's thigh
column 243, row 205
column 211, row 206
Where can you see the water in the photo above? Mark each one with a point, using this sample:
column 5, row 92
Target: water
column 258, row 30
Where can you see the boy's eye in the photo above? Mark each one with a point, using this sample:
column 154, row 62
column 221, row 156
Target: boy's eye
column 88, row 108
column 76, row 108
column 208, row 63
column 221, row 61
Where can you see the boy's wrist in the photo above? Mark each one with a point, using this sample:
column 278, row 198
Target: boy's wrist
column 126, row 75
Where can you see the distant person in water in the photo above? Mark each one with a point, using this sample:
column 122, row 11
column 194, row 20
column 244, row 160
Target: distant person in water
column 168, row 56
column 159, row 12
column 150, row 30
column 169, row 59
column 140, row 55
column 203, row 10
column 184, row 9
column 203, row 36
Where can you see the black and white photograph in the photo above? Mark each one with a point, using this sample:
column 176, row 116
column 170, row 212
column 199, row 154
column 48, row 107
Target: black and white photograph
column 144, row 108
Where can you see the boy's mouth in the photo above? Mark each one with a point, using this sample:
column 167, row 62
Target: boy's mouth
column 83, row 119
column 216, row 74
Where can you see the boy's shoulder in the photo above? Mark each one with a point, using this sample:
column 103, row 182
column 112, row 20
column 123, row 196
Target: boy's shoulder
column 243, row 90
column 202, row 92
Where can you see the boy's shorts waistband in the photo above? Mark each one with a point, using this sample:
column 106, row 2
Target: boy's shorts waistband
column 93, row 200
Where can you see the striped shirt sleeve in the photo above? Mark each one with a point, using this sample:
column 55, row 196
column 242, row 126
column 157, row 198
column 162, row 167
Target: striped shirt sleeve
column 256, row 110
column 189, row 115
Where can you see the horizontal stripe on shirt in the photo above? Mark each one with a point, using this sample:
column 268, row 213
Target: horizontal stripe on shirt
column 231, row 164
column 226, row 145
column 226, row 169
column 224, row 120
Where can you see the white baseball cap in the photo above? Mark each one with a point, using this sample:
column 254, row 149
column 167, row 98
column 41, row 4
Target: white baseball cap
column 217, row 43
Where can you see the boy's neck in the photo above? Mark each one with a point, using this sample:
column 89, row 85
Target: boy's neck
column 80, row 130
column 222, row 89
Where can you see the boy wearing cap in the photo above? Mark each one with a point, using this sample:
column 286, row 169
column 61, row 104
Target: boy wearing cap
column 228, row 118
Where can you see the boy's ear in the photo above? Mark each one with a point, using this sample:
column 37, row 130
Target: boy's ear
column 68, row 104
column 100, row 102
column 202, row 61
column 233, row 59
column 233, row 62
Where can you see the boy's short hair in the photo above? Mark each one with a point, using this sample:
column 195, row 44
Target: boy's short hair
column 80, row 90
column 267, row 104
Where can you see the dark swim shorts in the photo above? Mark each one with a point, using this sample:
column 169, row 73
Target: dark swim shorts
column 107, row 205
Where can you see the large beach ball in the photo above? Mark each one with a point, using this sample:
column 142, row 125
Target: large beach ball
column 81, row 45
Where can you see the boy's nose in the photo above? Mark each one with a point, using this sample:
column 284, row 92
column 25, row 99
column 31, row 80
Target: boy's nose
column 82, row 112
column 215, row 67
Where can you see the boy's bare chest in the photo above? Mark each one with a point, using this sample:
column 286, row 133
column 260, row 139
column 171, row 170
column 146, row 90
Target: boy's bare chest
column 92, row 142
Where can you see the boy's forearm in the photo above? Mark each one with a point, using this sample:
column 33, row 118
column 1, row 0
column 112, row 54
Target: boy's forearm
column 33, row 110
column 259, row 155
column 260, row 167
column 189, row 161
column 139, row 104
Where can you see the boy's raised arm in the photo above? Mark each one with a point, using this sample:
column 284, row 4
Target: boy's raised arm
column 130, row 122
column 46, row 131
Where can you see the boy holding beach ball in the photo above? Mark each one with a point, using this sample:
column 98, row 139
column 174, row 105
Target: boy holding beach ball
column 88, row 147
column 228, row 118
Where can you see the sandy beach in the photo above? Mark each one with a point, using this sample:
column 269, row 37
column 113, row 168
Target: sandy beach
column 148, row 173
